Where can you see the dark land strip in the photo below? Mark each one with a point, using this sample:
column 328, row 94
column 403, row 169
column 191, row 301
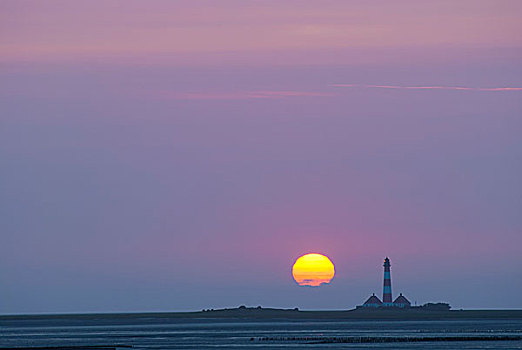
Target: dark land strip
column 270, row 313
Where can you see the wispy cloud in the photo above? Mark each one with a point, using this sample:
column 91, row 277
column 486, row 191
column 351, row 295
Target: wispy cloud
column 243, row 95
column 465, row 88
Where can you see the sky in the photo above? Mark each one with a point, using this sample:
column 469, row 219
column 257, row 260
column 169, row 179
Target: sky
column 181, row 155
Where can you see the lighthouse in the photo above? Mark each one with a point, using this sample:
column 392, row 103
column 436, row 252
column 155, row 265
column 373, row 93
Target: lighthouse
column 374, row 302
column 387, row 290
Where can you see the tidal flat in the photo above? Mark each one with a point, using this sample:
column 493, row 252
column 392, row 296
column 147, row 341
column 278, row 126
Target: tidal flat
column 276, row 329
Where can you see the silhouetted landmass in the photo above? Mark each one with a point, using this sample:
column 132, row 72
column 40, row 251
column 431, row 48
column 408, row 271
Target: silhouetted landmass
column 243, row 312
column 427, row 311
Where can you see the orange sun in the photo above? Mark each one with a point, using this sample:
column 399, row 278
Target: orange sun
column 313, row 270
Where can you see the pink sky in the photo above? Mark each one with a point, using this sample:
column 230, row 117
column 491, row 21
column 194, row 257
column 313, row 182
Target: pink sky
column 180, row 155
column 65, row 30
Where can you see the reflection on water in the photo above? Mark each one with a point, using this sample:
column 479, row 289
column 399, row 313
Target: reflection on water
column 163, row 333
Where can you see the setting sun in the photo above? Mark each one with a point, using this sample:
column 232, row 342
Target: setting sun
column 313, row 270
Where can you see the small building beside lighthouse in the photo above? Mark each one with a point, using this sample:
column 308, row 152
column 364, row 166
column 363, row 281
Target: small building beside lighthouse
column 372, row 301
column 402, row 302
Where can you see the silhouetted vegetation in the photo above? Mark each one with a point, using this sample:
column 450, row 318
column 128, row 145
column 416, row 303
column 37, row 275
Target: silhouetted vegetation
column 435, row 306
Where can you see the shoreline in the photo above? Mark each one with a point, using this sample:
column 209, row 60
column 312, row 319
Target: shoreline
column 283, row 314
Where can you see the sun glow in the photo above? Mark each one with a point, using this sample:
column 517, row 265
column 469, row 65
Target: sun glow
column 313, row 270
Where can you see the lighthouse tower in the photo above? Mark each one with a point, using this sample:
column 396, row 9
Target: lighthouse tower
column 387, row 291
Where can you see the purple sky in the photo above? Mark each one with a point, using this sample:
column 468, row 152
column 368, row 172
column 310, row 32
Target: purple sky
column 180, row 155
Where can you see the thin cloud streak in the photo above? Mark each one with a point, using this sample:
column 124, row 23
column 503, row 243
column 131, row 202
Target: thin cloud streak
column 243, row 95
column 464, row 88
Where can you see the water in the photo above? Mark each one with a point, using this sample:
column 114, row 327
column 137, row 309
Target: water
column 163, row 333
